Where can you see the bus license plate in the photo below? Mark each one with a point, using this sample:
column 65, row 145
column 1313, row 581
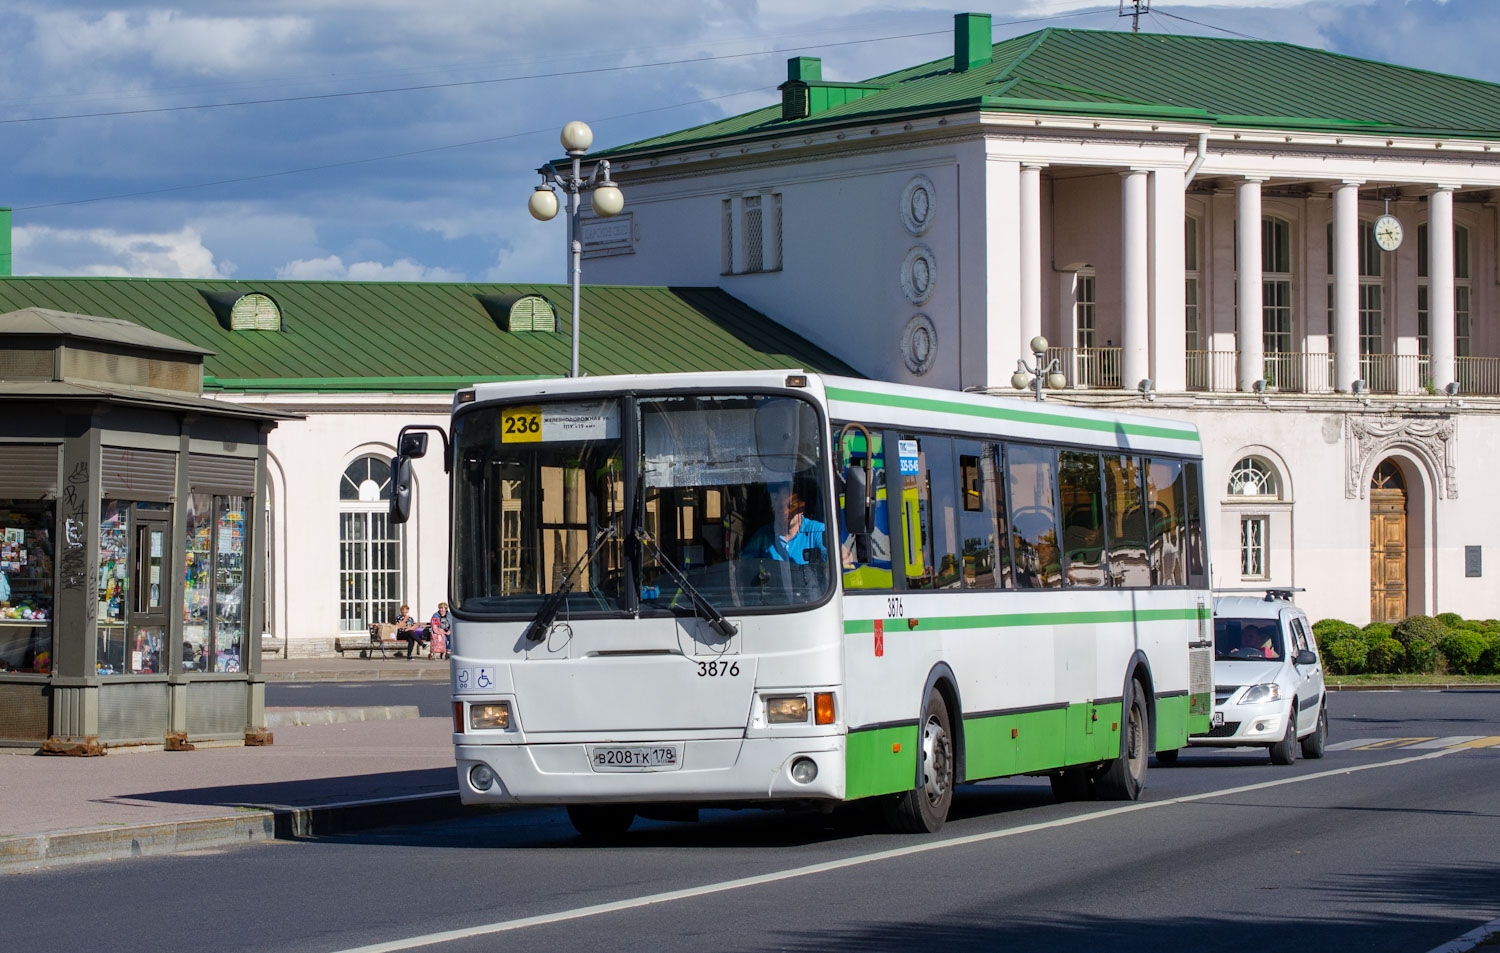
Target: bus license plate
column 1217, row 720
column 635, row 757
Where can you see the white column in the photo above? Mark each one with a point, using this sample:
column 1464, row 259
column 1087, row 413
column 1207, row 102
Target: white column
column 1031, row 251
column 1440, row 328
column 1167, row 268
column 1249, row 327
column 1135, row 331
column 1345, row 285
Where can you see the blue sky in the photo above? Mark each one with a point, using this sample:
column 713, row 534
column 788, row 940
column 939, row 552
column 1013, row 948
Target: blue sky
column 316, row 158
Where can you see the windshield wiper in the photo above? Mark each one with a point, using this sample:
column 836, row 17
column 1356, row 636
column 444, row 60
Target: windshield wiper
column 537, row 630
column 716, row 619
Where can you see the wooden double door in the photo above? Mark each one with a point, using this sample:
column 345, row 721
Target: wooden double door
column 1387, row 544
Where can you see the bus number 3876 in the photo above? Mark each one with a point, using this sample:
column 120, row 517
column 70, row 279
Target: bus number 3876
column 718, row 669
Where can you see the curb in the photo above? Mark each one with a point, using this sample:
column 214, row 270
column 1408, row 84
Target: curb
column 62, row 848
column 1470, row 940
column 1410, row 687
column 284, row 718
column 415, row 673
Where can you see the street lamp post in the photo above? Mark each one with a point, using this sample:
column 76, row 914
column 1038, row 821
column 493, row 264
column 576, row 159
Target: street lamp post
column 1044, row 374
column 606, row 200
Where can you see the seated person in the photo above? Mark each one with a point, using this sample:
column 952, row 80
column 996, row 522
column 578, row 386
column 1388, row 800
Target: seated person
column 407, row 629
column 793, row 536
column 1256, row 642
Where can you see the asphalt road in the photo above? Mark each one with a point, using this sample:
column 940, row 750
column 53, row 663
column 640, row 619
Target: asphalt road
column 1372, row 849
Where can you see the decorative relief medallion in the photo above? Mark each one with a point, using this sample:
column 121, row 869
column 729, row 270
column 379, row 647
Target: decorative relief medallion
column 1370, row 439
column 918, row 274
column 916, row 205
column 919, row 344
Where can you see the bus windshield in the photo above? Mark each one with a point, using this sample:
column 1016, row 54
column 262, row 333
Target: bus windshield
column 730, row 500
column 535, row 488
column 733, row 495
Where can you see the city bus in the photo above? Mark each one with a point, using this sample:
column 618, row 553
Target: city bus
column 787, row 590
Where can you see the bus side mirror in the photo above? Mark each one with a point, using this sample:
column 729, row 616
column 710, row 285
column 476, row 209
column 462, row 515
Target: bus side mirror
column 401, row 484
column 412, row 445
column 856, row 502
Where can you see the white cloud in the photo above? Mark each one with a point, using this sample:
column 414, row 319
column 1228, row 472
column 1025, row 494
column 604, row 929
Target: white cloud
column 41, row 250
column 170, row 39
column 332, row 268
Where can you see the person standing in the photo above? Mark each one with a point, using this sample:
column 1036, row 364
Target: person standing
column 439, row 631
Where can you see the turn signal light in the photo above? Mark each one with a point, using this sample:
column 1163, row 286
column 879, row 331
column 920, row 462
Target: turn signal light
column 823, row 708
column 458, row 717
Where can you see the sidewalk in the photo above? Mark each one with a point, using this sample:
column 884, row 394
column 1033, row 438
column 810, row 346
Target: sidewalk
column 362, row 768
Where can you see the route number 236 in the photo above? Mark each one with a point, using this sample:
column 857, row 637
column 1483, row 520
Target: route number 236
column 718, row 669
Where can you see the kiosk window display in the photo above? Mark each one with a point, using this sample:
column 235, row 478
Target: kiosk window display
column 213, row 606
column 133, row 557
column 27, row 531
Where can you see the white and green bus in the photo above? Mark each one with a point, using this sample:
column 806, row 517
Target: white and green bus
column 781, row 589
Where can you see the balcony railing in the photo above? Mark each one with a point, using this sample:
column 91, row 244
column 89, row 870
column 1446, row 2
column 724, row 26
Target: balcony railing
column 1286, row 372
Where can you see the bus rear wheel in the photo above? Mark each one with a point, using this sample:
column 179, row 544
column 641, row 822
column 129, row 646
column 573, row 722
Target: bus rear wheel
column 923, row 809
column 601, row 822
column 1123, row 778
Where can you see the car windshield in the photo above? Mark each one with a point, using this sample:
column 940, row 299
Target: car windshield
column 1239, row 639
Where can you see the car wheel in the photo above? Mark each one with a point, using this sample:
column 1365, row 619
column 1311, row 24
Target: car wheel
column 1123, row 777
column 1167, row 757
column 1312, row 745
column 923, row 809
column 1285, row 750
column 601, row 822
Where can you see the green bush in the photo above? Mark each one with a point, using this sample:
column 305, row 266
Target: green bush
column 1346, row 656
column 1376, row 632
column 1385, row 657
column 1450, row 619
column 1463, row 650
column 1329, row 631
column 1489, row 662
column 1419, row 628
column 1421, row 657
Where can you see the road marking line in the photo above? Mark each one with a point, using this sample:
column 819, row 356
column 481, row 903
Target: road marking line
column 1480, row 743
column 1393, row 743
column 579, row 913
column 1447, row 742
column 1353, row 743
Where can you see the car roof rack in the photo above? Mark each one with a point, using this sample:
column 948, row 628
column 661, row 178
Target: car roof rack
column 1272, row 592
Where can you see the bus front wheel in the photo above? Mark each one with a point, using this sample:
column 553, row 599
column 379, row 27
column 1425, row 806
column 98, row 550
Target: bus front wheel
column 1122, row 778
column 601, row 822
column 923, row 809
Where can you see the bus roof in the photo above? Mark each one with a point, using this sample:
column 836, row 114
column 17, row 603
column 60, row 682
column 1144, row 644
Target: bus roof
column 897, row 405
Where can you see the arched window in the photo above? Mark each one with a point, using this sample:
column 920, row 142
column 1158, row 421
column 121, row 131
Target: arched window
column 370, row 551
column 1253, row 479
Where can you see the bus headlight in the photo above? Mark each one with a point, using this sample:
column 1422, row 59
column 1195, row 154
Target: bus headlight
column 492, row 716
column 786, row 709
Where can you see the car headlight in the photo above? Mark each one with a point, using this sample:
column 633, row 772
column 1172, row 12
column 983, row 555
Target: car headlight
column 1258, row 694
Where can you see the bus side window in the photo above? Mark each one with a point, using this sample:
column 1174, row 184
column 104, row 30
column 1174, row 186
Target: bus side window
column 981, row 517
column 874, row 571
column 1197, row 560
column 1166, row 497
column 930, row 510
column 1083, row 518
column 1125, row 520
column 1030, row 477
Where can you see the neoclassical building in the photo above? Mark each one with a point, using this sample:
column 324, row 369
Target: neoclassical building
column 1293, row 249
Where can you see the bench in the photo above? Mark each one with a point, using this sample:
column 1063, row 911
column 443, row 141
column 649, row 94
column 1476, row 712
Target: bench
column 379, row 639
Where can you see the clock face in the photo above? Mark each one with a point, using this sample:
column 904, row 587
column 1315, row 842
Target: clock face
column 1388, row 232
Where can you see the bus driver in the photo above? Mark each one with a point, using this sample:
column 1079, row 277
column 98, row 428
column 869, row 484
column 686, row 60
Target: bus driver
column 793, row 536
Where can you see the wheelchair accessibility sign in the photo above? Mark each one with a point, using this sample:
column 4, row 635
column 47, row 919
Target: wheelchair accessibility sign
column 480, row 679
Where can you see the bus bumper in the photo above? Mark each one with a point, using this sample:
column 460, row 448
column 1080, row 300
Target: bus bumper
column 738, row 769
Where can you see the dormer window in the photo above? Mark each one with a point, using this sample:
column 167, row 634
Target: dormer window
column 255, row 312
column 245, row 311
column 516, row 312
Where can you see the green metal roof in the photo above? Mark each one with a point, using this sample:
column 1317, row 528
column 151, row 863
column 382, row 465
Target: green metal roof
column 1219, row 82
column 379, row 336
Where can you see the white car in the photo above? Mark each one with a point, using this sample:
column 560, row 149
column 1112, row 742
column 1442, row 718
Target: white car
column 1268, row 679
